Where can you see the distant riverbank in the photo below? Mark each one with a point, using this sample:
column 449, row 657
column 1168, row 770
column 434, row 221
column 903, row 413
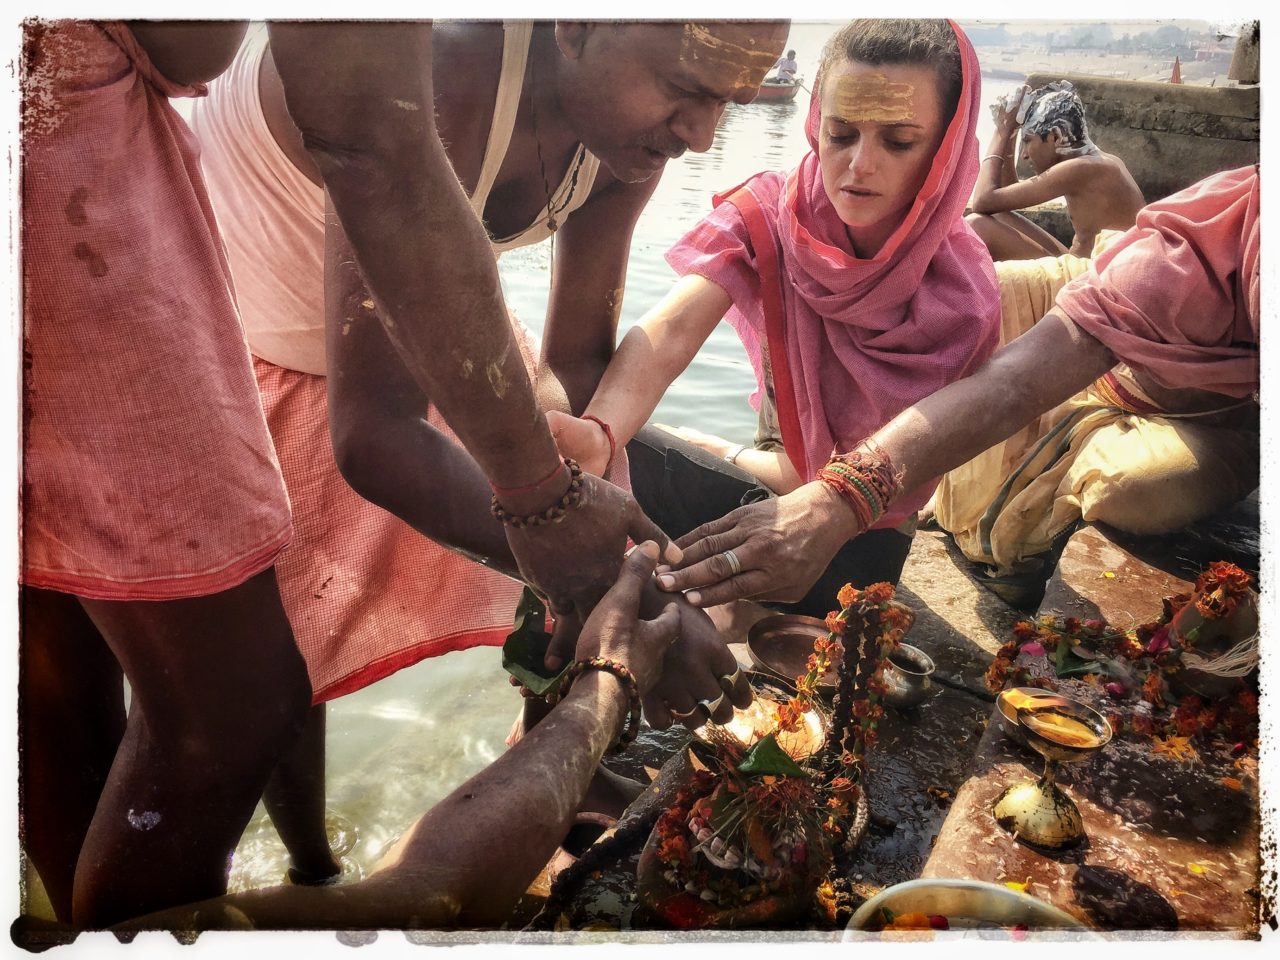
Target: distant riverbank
column 1018, row 63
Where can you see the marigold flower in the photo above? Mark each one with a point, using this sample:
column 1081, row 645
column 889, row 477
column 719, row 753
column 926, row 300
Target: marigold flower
column 1153, row 688
column 878, row 593
column 834, row 624
column 847, row 596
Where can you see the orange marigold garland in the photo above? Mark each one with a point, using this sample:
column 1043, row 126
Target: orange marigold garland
column 1153, row 651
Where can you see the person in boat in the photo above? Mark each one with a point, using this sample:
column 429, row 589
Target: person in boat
column 785, row 70
column 568, row 142
column 468, row 859
column 1175, row 299
column 153, row 509
column 856, row 288
column 1100, row 192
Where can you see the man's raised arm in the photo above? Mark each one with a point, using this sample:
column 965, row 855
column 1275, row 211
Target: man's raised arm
column 361, row 94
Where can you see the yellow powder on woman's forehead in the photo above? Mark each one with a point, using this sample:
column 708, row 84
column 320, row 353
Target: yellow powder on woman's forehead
column 873, row 99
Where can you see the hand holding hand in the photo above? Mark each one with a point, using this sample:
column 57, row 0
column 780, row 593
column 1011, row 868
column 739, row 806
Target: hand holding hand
column 615, row 631
column 583, row 440
column 574, row 560
column 697, row 669
column 779, row 547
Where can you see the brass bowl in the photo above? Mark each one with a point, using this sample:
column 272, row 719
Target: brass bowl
column 1054, row 749
column 907, row 677
column 967, row 905
column 1008, row 711
column 780, row 646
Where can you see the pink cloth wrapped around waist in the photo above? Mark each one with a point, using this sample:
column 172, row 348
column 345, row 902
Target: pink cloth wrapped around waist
column 1177, row 296
column 148, row 470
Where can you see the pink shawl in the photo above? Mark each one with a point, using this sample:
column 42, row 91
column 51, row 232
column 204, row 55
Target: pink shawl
column 862, row 339
column 1177, row 296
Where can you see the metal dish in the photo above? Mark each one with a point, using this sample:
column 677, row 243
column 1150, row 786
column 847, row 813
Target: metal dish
column 907, row 676
column 780, row 646
column 968, row 905
column 1008, row 711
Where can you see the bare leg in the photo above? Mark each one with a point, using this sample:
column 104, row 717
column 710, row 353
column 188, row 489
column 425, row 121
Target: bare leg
column 1011, row 236
column 71, row 719
column 219, row 693
column 295, row 799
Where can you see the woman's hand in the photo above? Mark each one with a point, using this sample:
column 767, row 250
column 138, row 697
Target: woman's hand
column 615, row 631
column 781, row 545
column 716, row 446
column 583, row 440
column 698, row 669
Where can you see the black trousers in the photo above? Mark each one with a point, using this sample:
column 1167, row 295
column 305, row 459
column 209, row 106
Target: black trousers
column 681, row 486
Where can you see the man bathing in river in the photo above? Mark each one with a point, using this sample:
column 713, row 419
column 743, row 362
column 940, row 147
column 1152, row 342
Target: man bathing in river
column 1100, row 192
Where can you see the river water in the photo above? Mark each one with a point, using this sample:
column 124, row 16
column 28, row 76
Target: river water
column 400, row 745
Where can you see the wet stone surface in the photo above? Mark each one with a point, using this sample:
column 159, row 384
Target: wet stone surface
column 1169, row 844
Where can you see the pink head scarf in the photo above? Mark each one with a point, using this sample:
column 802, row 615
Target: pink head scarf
column 864, row 339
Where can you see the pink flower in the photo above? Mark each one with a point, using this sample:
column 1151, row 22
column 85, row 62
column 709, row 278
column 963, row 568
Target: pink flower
column 1116, row 690
column 1159, row 641
column 1033, row 649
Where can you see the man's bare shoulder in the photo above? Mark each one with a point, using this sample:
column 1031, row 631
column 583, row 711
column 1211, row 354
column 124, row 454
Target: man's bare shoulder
column 466, row 60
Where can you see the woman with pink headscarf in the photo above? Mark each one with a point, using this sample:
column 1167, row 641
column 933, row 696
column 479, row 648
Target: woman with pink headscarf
column 1176, row 298
column 856, row 288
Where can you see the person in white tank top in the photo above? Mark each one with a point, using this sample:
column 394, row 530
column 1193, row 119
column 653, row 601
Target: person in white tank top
column 393, row 597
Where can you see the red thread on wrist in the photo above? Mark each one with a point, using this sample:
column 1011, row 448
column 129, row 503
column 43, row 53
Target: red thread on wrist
column 529, row 487
column 608, row 432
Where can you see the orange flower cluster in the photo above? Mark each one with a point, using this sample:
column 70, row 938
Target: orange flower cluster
column 1220, row 589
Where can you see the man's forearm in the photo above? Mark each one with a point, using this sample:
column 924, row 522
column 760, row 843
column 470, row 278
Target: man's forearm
column 995, row 173
column 1033, row 374
column 423, row 253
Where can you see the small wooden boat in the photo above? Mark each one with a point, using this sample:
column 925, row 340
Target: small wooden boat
column 774, row 90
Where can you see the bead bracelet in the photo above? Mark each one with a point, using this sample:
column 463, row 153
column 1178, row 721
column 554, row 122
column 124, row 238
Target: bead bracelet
column 554, row 513
column 632, row 727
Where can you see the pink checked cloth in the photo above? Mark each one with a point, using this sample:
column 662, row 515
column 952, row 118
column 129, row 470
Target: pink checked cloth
column 865, row 339
column 148, row 473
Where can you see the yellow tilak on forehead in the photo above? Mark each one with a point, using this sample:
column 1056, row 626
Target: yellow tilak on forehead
column 697, row 42
column 874, row 99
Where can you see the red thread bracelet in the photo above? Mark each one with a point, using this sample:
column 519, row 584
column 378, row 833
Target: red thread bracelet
column 529, row 487
column 608, row 432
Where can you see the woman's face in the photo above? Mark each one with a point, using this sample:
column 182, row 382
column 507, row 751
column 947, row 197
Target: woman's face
column 881, row 126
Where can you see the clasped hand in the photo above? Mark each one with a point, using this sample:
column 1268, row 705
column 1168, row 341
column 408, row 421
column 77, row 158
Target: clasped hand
column 673, row 677
column 573, row 561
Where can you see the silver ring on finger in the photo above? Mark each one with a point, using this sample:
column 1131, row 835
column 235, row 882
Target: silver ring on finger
column 730, row 680
column 681, row 716
column 711, row 706
column 731, row 558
